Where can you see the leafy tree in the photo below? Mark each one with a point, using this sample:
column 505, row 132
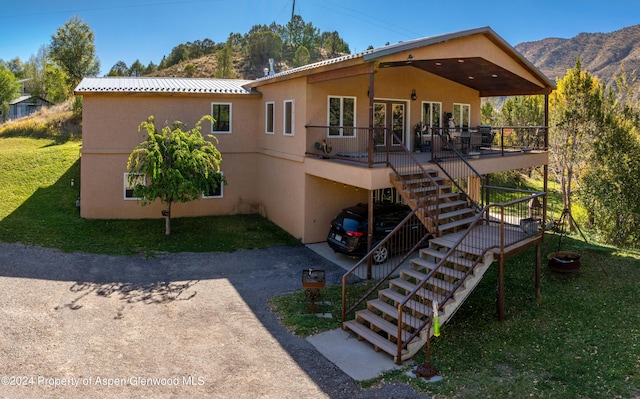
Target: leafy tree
column 136, row 69
column 224, row 58
column 9, row 89
column 575, row 120
column 263, row 44
column 120, row 68
column 15, row 66
column 301, row 57
column 150, row 68
column 522, row 111
column 178, row 54
column 301, row 33
column 73, row 49
column 611, row 186
column 332, row 42
column 54, row 78
column 180, row 165
column 189, row 70
column 488, row 111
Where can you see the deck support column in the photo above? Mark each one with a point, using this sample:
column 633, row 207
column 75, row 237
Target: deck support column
column 500, row 301
column 538, row 268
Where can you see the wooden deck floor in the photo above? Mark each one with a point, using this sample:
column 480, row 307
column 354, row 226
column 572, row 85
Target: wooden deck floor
column 488, row 236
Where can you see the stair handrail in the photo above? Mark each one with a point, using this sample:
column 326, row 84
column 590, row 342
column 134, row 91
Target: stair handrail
column 458, row 157
column 417, row 164
column 368, row 256
column 434, row 216
column 480, row 216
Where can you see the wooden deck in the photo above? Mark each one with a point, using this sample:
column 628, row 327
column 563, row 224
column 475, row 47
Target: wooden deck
column 488, row 236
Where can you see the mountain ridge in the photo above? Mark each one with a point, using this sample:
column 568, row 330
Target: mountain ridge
column 601, row 54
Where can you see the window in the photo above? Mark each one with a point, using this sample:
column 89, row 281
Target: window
column 431, row 115
column 342, row 116
column 217, row 192
column 462, row 115
column 221, row 112
column 289, row 114
column 269, row 112
column 131, row 180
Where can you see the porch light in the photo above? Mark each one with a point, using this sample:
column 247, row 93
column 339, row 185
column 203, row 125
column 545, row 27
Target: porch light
column 471, row 77
column 414, row 96
column 494, row 76
column 461, row 61
column 409, row 59
column 438, row 63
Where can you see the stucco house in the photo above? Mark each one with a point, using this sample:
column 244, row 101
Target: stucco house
column 401, row 122
column 267, row 131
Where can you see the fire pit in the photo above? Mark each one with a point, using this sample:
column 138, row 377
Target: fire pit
column 564, row 261
column 313, row 281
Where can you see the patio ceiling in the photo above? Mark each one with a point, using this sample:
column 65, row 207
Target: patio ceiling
column 477, row 73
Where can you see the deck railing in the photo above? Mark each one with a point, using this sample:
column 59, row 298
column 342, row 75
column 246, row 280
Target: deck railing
column 374, row 146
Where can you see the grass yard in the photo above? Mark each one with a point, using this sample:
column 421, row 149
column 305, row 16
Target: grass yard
column 38, row 207
column 581, row 339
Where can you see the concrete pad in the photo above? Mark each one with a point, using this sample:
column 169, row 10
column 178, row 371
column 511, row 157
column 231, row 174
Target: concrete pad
column 355, row 358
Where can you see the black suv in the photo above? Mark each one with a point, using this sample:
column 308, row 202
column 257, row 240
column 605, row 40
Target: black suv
column 348, row 232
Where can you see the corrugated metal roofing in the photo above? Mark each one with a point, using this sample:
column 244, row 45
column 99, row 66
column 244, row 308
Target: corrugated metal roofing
column 162, row 85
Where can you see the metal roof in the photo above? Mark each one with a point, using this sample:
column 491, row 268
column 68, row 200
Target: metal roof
column 511, row 84
column 162, row 85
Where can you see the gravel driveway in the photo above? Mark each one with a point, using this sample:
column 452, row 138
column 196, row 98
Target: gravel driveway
column 175, row 325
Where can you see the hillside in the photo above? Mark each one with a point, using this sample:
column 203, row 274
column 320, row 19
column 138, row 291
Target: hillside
column 601, row 54
column 205, row 67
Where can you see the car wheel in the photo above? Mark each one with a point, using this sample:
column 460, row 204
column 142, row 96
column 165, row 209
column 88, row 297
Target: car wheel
column 380, row 255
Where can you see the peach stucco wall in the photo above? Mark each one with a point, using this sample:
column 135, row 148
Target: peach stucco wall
column 269, row 173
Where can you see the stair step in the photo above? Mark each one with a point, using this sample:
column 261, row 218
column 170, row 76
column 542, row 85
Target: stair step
column 423, row 292
column 397, row 297
column 382, row 324
column 457, row 223
column 453, row 259
column 379, row 342
column 457, row 212
column 418, row 275
column 450, row 204
column 392, row 311
column 422, row 263
column 420, row 180
column 408, row 174
column 449, row 242
column 428, row 189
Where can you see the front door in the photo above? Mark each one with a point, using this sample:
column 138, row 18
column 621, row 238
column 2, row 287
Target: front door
column 389, row 123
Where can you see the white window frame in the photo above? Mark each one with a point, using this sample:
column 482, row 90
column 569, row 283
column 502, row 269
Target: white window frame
column 341, row 131
column 230, row 118
column 127, row 187
column 430, row 119
column 221, row 187
column 285, row 119
column 458, row 110
column 266, row 117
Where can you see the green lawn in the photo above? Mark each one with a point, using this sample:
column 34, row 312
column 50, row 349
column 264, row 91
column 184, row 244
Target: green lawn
column 581, row 339
column 38, row 207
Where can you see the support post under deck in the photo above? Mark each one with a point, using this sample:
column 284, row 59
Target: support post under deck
column 500, row 301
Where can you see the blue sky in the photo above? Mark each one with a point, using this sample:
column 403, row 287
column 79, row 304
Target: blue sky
column 148, row 29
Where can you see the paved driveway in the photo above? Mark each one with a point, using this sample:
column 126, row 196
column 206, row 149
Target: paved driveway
column 176, row 325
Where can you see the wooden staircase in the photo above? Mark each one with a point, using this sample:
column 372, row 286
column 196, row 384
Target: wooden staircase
column 453, row 211
column 448, row 282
